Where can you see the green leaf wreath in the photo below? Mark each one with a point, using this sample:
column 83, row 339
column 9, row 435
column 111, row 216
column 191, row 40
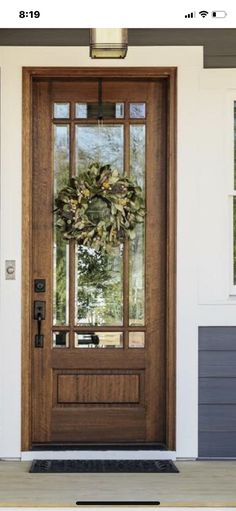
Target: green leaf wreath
column 100, row 208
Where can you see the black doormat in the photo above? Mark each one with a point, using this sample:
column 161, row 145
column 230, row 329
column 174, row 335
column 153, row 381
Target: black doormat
column 92, row 466
column 118, row 502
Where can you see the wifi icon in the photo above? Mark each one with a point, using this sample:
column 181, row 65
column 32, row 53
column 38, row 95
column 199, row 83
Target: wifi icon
column 203, row 13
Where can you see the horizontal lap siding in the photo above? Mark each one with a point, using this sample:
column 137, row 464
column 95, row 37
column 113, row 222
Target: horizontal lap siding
column 217, row 392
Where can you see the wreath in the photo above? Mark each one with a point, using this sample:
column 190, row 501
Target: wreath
column 100, row 208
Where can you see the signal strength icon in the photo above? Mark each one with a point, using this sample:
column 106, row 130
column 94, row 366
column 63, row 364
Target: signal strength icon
column 191, row 15
column 203, row 13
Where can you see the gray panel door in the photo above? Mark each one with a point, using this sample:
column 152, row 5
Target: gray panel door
column 217, row 392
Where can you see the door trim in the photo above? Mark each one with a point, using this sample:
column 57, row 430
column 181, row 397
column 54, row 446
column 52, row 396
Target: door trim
column 169, row 74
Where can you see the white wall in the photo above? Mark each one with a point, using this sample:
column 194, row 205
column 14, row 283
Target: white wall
column 205, row 166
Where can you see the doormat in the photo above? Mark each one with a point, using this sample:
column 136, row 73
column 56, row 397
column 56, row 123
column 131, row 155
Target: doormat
column 93, row 466
column 118, row 502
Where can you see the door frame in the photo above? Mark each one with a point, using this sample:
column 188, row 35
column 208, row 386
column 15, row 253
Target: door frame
column 170, row 75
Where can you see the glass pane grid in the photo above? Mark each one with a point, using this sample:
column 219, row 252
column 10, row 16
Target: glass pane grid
column 99, row 282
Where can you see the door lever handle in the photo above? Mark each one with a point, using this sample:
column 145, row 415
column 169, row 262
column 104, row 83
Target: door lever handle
column 39, row 315
column 39, row 321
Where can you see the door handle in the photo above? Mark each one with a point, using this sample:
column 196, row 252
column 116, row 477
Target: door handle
column 39, row 315
column 39, row 321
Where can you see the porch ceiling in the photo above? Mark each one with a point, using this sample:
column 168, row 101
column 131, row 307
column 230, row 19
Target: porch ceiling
column 219, row 44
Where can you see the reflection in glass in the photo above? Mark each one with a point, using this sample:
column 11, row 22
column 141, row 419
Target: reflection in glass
column 137, row 153
column 104, row 144
column 99, row 340
column 136, row 339
column 136, row 279
column 60, row 340
column 61, row 110
column 81, row 110
column 94, row 110
column 99, row 294
column 61, row 280
column 120, row 110
column 60, row 248
column 61, row 155
column 137, row 246
column 137, row 110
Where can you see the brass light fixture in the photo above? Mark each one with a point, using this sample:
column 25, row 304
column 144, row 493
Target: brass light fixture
column 108, row 43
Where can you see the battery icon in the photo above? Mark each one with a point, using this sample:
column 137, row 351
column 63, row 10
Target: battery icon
column 219, row 14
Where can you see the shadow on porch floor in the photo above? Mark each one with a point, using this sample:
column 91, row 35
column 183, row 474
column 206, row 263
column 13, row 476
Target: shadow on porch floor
column 199, row 484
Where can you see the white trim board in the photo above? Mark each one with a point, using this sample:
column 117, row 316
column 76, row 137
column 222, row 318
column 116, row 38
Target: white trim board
column 98, row 455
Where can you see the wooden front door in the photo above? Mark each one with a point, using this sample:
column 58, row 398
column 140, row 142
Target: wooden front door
column 116, row 390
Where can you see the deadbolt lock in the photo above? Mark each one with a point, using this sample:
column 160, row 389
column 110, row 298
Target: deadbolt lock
column 39, row 285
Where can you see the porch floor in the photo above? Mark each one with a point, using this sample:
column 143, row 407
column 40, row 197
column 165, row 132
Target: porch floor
column 199, row 484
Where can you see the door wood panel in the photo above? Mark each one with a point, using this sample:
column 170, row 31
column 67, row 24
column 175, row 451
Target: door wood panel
column 111, row 394
column 106, row 425
column 98, row 388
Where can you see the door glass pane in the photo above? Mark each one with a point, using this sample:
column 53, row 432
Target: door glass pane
column 104, row 144
column 60, row 339
column 137, row 110
column 81, row 110
column 93, row 110
column 137, row 246
column 99, row 283
column 120, row 110
column 137, row 153
column 61, row 110
column 61, row 155
column 60, row 248
column 136, row 339
column 99, row 340
column 136, row 279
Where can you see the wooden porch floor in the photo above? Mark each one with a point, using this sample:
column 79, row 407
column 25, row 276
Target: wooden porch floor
column 199, row 484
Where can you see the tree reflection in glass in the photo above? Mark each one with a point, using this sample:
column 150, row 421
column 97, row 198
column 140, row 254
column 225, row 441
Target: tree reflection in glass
column 99, row 294
column 104, row 144
column 99, row 299
column 137, row 246
column 60, row 249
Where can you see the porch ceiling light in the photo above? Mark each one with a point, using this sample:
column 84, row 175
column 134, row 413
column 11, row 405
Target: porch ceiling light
column 108, row 43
